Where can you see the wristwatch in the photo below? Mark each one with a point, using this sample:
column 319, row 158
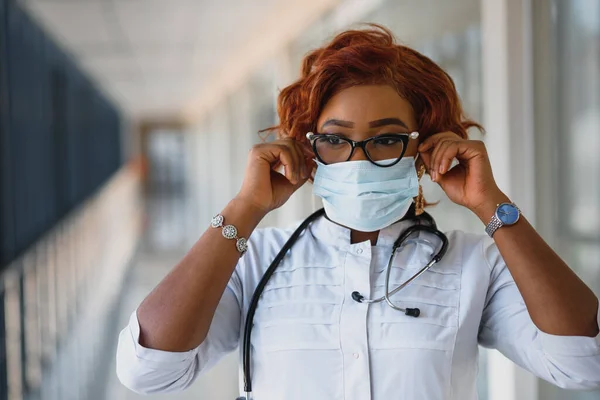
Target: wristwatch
column 506, row 214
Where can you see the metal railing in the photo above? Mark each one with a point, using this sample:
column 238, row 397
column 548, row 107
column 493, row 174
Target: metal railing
column 56, row 299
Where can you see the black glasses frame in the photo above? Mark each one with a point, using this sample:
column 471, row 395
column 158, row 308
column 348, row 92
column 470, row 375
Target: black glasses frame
column 404, row 138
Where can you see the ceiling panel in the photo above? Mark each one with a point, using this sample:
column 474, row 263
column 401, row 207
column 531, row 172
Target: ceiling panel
column 115, row 62
column 153, row 56
column 77, row 24
column 154, row 21
column 158, row 55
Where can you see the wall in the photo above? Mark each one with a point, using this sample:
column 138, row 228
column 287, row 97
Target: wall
column 69, row 216
column 60, row 137
column 527, row 69
column 567, row 122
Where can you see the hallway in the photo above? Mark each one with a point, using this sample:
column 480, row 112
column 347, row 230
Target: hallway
column 166, row 216
column 125, row 126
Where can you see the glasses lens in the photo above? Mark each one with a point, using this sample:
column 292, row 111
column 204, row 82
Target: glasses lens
column 332, row 149
column 385, row 150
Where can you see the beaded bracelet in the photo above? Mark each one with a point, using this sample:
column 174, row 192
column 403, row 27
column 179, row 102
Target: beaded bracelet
column 230, row 232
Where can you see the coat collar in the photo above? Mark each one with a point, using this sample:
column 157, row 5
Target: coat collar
column 327, row 231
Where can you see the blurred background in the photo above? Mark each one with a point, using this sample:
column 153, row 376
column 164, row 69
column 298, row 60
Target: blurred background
column 125, row 124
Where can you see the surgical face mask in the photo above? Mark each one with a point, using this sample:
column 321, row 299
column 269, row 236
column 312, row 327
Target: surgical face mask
column 365, row 197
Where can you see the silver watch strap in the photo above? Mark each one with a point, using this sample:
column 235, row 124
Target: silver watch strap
column 230, row 232
column 493, row 226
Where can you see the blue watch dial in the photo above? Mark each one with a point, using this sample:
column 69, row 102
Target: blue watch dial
column 507, row 213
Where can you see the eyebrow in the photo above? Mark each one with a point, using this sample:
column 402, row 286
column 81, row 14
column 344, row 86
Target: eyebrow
column 373, row 124
column 387, row 121
column 338, row 122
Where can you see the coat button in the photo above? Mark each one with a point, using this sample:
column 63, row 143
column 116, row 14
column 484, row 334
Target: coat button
column 355, row 355
column 359, row 251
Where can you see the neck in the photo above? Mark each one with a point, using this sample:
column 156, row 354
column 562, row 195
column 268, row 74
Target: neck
column 358, row 237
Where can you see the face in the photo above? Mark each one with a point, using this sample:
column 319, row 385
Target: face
column 361, row 112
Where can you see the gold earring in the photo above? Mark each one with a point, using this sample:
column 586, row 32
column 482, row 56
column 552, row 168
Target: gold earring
column 420, row 200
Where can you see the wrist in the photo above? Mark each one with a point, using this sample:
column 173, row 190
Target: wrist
column 240, row 205
column 486, row 209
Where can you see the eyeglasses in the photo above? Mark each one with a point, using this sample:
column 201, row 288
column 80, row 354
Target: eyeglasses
column 382, row 150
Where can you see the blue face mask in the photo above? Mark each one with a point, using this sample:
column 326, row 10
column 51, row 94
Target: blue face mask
column 362, row 196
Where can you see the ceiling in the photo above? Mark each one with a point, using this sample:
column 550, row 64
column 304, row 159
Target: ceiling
column 174, row 59
column 156, row 58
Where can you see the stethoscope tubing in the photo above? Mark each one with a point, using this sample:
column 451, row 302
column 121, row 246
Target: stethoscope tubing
column 246, row 359
column 258, row 292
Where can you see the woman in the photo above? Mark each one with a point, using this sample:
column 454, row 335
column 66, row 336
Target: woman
column 381, row 114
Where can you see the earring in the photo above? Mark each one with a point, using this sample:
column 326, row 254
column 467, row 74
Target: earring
column 420, row 200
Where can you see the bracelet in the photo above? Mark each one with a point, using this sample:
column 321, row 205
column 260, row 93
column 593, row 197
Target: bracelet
column 230, row 232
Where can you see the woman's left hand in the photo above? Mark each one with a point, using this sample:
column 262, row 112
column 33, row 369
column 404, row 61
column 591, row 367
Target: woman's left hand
column 470, row 183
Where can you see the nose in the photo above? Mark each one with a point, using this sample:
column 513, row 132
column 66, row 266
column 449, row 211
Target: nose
column 358, row 155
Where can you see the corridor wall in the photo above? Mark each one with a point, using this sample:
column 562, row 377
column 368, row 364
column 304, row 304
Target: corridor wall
column 59, row 135
column 69, row 216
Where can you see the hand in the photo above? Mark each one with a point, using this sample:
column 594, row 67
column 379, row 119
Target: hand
column 471, row 182
column 266, row 189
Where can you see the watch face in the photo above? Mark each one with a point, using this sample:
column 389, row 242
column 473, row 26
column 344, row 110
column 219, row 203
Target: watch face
column 507, row 213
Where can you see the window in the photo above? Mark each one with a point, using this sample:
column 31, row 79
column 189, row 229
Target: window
column 567, row 95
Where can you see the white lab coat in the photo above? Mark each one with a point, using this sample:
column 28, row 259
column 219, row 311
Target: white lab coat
column 311, row 340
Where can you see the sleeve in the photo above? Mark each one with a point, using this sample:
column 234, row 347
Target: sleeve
column 146, row 371
column 570, row 362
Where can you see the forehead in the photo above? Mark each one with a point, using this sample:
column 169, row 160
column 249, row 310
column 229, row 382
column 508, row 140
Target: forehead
column 362, row 104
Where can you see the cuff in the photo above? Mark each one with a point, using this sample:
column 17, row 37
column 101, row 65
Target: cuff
column 576, row 346
column 159, row 356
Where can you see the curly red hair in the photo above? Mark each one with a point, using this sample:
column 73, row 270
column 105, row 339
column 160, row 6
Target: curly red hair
column 371, row 57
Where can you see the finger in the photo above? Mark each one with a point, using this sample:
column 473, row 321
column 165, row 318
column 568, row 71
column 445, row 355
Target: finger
column 451, row 176
column 287, row 160
column 432, row 159
column 300, row 154
column 446, row 157
column 295, row 167
column 304, row 167
column 432, row 140
column 439, row 147
column 304, row 171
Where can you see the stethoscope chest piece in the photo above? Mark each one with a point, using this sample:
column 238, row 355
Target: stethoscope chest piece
column 399, row 244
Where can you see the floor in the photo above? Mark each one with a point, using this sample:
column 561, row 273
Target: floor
column 220, row 383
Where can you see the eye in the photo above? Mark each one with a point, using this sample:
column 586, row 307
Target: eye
column 333, row 140
column 386, row 141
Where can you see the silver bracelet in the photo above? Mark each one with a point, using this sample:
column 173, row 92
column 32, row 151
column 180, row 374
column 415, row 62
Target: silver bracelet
column 230, row 232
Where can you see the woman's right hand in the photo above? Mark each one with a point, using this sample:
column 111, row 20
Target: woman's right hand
column 264, row 187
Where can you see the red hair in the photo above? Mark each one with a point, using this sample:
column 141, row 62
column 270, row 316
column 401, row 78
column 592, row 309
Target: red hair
column 371, row 57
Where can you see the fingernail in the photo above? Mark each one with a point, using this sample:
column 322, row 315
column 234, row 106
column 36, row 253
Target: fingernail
column 442, row 167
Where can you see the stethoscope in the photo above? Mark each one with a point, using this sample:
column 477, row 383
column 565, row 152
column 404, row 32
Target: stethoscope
column 428, row 226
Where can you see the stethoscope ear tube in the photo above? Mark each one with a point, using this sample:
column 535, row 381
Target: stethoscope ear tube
column 258, row 292
column 411, row 312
